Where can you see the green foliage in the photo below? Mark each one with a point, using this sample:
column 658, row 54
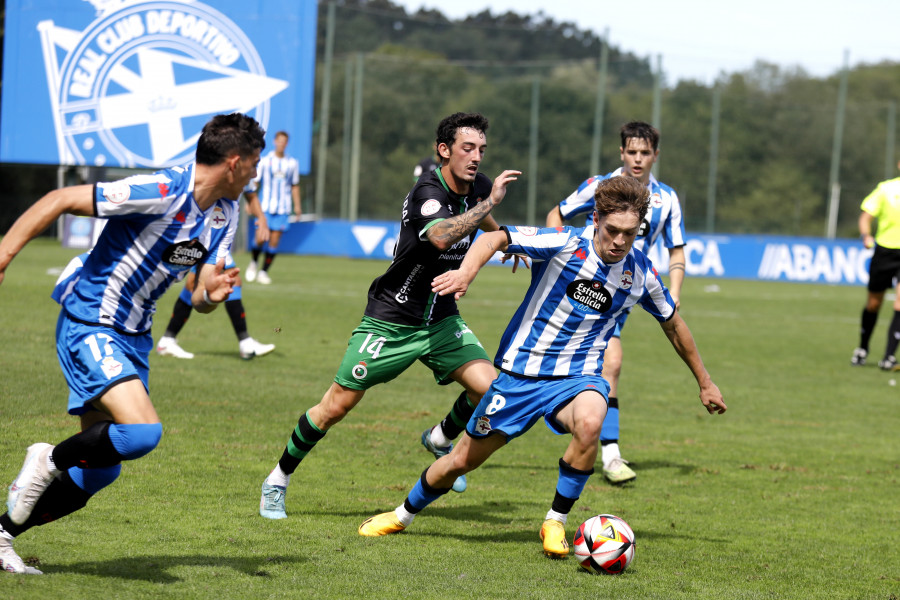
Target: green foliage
column 776, row 133
column 790, row 494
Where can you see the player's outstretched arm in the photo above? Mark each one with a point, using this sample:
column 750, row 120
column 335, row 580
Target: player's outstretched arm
column 449, row 231
column 76, row 200
column 680, row 336
column 214, row 285
column 457, row 282
column 554, row 218
column 676, row 274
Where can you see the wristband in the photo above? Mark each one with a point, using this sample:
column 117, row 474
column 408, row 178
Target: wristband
column 207, row 301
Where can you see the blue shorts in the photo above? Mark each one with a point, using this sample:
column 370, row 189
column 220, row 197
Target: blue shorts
column 277, row 222
column 513, row 404
column 95, row 358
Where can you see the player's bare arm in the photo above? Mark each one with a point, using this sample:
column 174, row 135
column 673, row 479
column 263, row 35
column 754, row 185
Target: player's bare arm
column 295, row 197
column 676, row 274
column 75, row 200
column 680, row 336
column 214, row 285
column 449, row 231
column 457, row 282
column 865, row 229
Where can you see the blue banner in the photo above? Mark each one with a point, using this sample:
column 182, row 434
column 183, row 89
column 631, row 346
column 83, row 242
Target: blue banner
column 773, row 258
column 130, row 83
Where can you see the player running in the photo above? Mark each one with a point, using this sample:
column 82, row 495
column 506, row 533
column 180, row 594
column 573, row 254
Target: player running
column 550, row 356
column 404, row 321
column 159, row 227
column 639, row 151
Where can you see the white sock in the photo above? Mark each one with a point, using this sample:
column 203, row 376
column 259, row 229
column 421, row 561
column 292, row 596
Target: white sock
column 245, row 342
column 166, row 338
column 5, row 534
column 438, row 438
column 278, row 477
column 552, row 514
column 609, row 452
column 404, row 516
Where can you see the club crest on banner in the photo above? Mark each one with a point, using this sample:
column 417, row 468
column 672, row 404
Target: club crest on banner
column 135, row 87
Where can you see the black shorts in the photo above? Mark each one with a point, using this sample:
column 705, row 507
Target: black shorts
column 884, row 269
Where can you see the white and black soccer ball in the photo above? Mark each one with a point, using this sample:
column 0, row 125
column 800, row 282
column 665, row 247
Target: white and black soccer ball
column 604, row 544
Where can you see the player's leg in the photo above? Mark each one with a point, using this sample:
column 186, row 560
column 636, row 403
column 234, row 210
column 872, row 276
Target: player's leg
column 615, row 468
column 889, row 363
column 277, row 226
column 583, row 418
column 435, row 481
column 234, row 307
column 310, row 429
column 880, row 280
column 456, row 354
column 181, row 312
column 255, row 250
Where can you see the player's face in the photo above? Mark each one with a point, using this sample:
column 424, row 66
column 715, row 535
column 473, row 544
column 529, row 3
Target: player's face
column 463, row 158
column 638, row 157
column 614, row 235
column 281, row 142
column 242, row 170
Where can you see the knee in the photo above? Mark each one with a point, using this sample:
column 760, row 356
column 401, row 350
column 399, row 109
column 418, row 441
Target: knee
column 135, row 440
column 587, row 431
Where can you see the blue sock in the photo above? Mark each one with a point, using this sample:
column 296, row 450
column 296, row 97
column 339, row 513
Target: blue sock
column 609, row 432
column 422, row 495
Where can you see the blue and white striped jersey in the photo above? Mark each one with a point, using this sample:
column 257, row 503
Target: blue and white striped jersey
column 573, row 303
column 276, row 176
column 664, row 216
column 155, row 233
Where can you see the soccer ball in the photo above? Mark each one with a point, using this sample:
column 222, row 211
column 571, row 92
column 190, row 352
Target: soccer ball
column 604, row 544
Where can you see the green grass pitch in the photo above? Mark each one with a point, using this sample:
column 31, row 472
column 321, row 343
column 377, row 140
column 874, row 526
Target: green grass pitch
column 793, row 493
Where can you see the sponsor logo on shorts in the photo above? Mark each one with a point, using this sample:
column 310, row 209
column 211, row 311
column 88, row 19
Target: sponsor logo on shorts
column 589, row 296
column 462, row 332
column 360, row 371
column 483, row 425
column 626, row 280
column 111, row 367
column 430, row 207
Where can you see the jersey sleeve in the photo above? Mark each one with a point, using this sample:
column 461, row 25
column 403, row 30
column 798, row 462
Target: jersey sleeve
column 223, row 238
column 874, row 201
column 136, row 195
column 427, row 205
column 538, row 244
column 581, row 201
column 673, row 232
column 656, row 299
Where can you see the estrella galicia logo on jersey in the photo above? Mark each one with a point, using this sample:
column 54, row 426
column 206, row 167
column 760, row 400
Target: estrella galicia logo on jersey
column 591, row 296
column 360, row 371
column 135, row 87
column 483, row 425
column 184, row 255
column 644, row 230
column 217, row 219
column 627, row 280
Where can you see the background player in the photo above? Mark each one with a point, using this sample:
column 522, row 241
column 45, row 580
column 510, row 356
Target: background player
column 404, row 321
column 639, row 151
column 234, row 306
column 159, row 226
column 279, row 178
column 551, row 353
column 882, row 204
